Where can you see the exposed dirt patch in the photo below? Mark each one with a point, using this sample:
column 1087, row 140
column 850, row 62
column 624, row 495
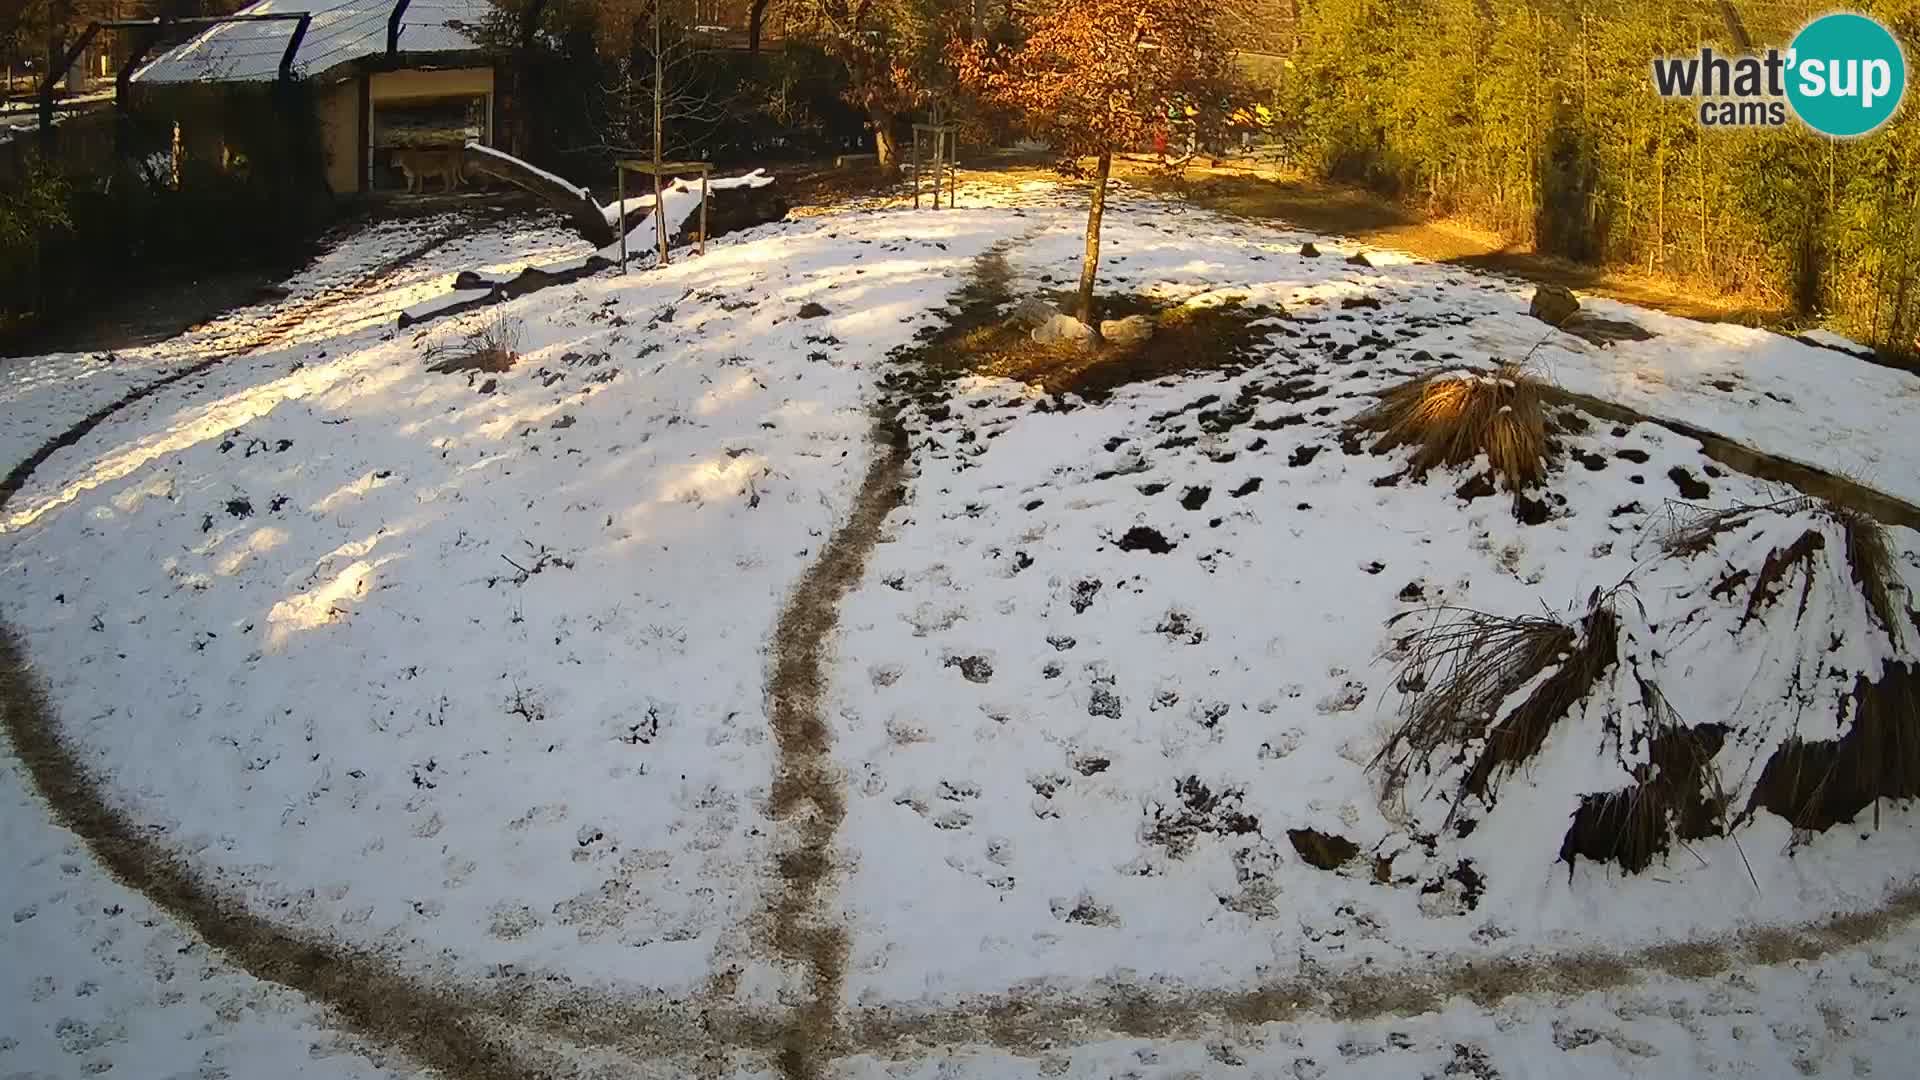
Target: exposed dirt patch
column 1691, row 486
column 1186, row 340
column 1143, row 538
column 1323, row 850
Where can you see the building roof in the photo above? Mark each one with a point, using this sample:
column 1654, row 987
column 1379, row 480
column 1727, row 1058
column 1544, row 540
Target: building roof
column 341, row 31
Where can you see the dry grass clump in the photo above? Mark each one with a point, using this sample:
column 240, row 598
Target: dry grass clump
column 1460, row 669
column 491, row 347
column 1676, row 795
column 1452, row 417
column 1519, row 736
column 1870, row 560
column 1692, row 530
column 1816, row 785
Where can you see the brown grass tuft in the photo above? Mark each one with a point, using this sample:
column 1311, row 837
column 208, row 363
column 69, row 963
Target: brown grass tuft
column 1514, row 740
column 1781, row 561
column 1816, row 785
column 491, row 347
column 1453, row 417
column 1870, row 559
column 1676, row 795
column 1463, row 667
column 1692, row 530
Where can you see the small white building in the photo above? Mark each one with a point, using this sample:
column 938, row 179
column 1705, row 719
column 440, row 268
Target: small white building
column 384, row 75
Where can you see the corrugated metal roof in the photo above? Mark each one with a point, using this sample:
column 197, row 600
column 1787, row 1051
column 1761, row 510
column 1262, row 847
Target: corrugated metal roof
column 341, row 30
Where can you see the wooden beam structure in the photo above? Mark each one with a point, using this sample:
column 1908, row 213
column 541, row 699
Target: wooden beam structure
column 942, row 137
column 646, row 167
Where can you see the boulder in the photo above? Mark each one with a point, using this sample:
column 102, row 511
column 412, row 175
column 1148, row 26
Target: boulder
column 1553, row 305
column 1308, row 251
column 1032, row 312
column 729, row 210
column 1128, row 331
column 1062, row 329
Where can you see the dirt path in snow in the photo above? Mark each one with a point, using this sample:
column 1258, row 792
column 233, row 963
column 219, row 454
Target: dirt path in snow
column 1033, row 1022
column 808, row 791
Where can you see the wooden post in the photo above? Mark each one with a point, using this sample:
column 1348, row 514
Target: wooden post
column 916, row 166
column 936, row 167
column 660, row 218
column 621, row 172
column 703, row 212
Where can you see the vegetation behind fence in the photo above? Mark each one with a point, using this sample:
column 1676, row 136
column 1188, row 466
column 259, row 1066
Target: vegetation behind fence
column 1537, row 118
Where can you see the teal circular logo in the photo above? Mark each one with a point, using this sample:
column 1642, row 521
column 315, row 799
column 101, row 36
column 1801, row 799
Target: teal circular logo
column 1846, row 75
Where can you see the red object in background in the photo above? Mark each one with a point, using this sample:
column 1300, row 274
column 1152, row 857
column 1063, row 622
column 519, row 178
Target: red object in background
column 1160, row 141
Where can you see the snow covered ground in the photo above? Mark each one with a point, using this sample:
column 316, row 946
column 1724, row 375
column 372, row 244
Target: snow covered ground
column 342, row 291
column 467, row 668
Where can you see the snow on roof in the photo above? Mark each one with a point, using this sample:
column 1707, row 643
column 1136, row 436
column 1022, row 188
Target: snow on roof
column 341, row 30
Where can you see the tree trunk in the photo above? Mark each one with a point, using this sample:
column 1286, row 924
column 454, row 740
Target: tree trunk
column 1090, row 263
column 756, row 21
column 886, row 145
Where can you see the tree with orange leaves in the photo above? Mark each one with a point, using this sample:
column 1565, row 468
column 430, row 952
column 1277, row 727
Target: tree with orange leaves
column 1097, row 76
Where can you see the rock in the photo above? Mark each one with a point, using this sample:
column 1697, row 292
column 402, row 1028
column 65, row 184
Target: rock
column 1359, row 258
column 811, row 310
column 732, row 210
column 1062, row 329
column 1128, row 331
column 1308, row 251
column 1553, row 304
column 1032, row 312
column 1599, row 331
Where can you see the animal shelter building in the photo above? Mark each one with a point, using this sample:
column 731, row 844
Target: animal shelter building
column 385, row 78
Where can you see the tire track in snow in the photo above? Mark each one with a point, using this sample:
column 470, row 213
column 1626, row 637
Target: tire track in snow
column 807, row 790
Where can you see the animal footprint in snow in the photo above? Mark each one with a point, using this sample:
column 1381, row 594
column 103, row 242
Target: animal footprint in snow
column 1084, row 910
column 511, row 922
column 973, row 866
column 1281, row 745
column 903, row 731
column 949, row 817
column 928, row 619
column 975, row 669
column 1349, row 697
